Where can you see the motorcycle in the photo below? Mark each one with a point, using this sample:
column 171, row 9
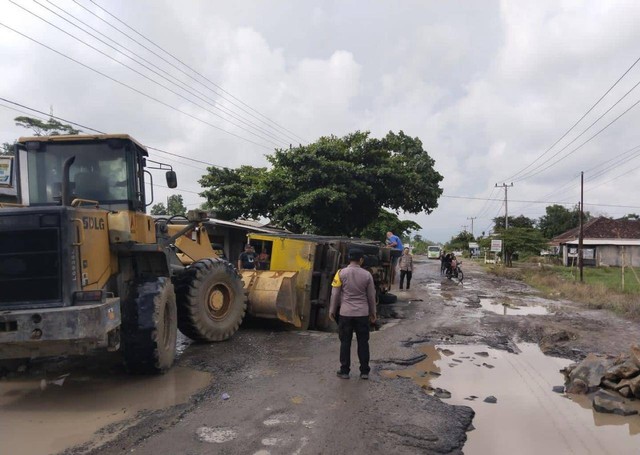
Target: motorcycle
column 455, row 272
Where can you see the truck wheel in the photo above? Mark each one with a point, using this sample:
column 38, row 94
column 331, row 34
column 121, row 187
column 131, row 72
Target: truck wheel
column 149, row 327
column 211, row 303
column 387, row 298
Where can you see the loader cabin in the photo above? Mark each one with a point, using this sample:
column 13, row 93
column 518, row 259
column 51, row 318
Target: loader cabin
column 108, row 169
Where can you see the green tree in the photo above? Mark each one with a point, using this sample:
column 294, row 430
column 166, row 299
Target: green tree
column 158, row 209
column 518, row 221
column 387, row 221
column 51, row 127
column 6, row 149
column 175, row 205
column 334, row 186
column 525, row 241
column 558, row 219
column 460, row 241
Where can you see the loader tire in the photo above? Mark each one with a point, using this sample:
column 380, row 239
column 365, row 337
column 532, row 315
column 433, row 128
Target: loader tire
column 149, row 327
column 211, row 302
column 387, row 298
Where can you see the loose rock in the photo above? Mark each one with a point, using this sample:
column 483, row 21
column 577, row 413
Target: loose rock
column 612, row 404
column 588, row 374
column 490, row 399
column 558, row 389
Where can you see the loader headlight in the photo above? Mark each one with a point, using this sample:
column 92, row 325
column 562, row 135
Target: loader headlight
column 88, row 296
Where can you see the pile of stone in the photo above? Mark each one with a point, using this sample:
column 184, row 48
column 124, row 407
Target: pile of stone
column 615, row 379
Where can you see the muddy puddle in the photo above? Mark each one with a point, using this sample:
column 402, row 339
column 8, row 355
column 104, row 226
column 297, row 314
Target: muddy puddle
column 511, row 309
column 528, row 417
column 47, row 416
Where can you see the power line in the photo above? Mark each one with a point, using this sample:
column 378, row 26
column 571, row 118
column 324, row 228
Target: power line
column 51, row 115
column 102, row 132
column 537, row 202
column 581, row 145
column 175, row 81
column 532, row 172
column 576, row 123
column 144, row 75
column 140, row 92
column 184, row 64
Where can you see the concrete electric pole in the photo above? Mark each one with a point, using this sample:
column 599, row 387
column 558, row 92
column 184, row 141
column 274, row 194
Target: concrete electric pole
column 506, row 209
column 472, row 218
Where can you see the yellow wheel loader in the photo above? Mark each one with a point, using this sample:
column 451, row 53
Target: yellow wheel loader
column 83, row 267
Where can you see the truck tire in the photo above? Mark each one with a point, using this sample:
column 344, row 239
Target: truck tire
column 149, row 327
column 387, row 298
column 211, row 303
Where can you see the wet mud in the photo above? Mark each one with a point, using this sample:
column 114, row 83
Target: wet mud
column 42, row 414
column 526, row 417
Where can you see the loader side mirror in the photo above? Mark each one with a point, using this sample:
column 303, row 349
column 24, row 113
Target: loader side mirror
column 172, row 179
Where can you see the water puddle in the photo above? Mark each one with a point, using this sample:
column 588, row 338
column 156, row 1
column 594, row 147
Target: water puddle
column 511, row 309
column 528, row 417
column 42, row 417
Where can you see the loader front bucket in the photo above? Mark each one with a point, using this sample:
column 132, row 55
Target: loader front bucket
column 272, row 295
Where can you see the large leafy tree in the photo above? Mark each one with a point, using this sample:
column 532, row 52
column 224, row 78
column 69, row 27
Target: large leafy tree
column 558, row 219
column 51, row 127
column 525, row 241
column 514, row 221
column 385, row 222
column 334, row 186
column 460, row 241
column 6, row 149
column 175, row 205
column 159, row 209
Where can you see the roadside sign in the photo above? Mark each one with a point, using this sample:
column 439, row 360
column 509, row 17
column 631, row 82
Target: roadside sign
column 6, row 164
column 496, row 246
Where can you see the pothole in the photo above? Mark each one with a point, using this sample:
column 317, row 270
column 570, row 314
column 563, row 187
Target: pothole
column 66, row 413
column 527, row 417
column 509, row 308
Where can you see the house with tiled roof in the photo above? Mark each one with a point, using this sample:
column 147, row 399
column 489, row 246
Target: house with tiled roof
column 606, row 242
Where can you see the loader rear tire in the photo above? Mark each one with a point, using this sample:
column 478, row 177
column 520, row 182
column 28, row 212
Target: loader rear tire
column 149, row 327
column 211, row 302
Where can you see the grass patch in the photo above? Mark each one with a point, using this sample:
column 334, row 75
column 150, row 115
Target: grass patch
column 601, row 287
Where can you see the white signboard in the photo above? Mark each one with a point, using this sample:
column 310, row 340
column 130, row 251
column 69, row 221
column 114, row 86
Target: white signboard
column 496, row 246
column 6, row 164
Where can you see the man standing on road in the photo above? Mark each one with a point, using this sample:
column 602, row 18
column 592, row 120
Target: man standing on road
column 353, row 294
column 406, row 267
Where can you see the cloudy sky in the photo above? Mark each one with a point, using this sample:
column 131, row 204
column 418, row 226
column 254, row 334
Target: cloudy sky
column 489, row 87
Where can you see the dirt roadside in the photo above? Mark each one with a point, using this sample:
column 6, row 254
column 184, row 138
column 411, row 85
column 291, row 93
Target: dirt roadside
column 281, row 392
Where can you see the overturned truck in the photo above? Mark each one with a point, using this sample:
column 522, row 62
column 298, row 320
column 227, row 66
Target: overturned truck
column 294, row 284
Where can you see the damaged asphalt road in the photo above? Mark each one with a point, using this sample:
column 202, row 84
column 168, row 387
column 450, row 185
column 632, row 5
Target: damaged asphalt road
column 271, row 390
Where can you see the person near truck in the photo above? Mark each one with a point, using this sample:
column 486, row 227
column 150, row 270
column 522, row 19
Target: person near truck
column 394, row 242
column 247, row 259
column 353, row 304
column 406, row 267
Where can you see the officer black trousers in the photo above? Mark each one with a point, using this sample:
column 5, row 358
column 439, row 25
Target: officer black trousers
column 346, row 326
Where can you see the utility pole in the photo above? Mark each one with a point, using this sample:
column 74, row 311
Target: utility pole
column 472, row 218
column 581, row 237
column 506, row 211
column 506, row 220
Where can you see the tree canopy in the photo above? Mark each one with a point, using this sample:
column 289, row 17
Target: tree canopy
column 51, row 127
column 334, row 186
column 559, row 219
column 526, row 241
column 175, row 206
column 517, row 221
column 460, row 241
